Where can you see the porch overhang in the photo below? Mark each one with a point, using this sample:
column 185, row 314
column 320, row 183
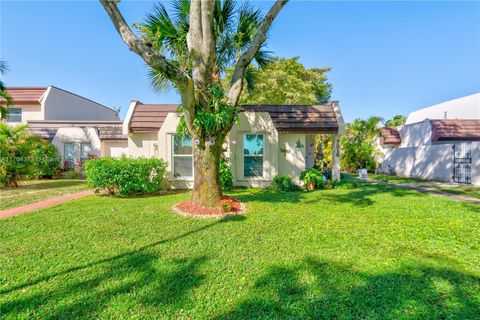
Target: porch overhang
column 309, row 119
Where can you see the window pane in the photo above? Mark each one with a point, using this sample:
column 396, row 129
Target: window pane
column 182, row 145
column 253, row 166
column 253, row 144
column 14, row 115
column 69, row 151
column 86, row 150
column 182, row 167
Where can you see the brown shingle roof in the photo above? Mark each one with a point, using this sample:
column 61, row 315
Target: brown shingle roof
column 390, row 136
column 305, row 119
column 455, row 130
column 25, row 95
column 107, row 130
column 150, row 117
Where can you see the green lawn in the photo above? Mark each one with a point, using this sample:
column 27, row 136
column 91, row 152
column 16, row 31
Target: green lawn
column 394, row 179
column 376, row 252
column 36, row 190
column 468, row 191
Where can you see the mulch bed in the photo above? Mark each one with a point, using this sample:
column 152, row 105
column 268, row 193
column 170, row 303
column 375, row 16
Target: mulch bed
column 190, row 209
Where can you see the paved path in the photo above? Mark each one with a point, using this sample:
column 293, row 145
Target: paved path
column 420, row 187
column 43, row 204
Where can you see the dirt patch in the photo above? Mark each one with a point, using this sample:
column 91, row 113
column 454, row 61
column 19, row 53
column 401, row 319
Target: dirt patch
column 190, row 209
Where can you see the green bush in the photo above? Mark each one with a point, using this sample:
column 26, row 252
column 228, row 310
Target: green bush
column 46, row 160
column 226, row 176
column 313, row 176
column 284, row 183
column 25, row 156
column 125, row 176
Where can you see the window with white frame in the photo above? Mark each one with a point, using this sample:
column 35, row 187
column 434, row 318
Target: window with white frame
column 14, row 115
column 182, row 156
column 253, row 148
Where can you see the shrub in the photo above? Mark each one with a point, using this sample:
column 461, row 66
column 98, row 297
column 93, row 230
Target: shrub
column 125, row 175
column 46, row 160
column 226, row 176
column 284, row 183
column 313, row 177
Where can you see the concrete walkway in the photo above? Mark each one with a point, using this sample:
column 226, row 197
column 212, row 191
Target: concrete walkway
column 43, row 204
column 420, row 186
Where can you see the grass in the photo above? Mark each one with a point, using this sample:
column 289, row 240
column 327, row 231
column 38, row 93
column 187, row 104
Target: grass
column 395, row 179
column 375, row 252
column 468, row 191
column 37, row 190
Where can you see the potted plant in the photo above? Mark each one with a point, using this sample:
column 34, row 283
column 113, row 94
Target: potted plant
column 312, row 178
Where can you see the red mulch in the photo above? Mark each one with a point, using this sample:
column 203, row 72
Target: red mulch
column 194, row 209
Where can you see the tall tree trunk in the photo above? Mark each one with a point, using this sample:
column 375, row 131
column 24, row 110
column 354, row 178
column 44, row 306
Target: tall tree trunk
column 207, row 190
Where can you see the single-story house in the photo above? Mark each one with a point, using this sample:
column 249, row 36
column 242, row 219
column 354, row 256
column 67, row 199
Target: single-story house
column 441, row 142
column 269, row 140
column 77, row 126
column 77, row 140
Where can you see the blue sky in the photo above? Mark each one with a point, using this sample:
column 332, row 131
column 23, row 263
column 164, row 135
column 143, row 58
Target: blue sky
column 387, row 57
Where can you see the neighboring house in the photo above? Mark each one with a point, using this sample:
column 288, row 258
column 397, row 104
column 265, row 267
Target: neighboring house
column 268, row 140
column 441, row 142
column 77, row 126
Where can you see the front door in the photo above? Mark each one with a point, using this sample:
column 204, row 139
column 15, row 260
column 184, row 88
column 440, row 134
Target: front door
column 462, row 163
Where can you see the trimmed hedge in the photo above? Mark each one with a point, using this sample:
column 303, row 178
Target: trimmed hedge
column 125, row 176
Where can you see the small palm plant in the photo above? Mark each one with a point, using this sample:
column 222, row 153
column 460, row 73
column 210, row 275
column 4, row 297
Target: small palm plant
column 15, row 152
column 3, row 91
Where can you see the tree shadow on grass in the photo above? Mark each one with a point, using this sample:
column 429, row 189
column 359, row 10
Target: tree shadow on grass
column 145, row 277
column 47, row 184
column 316, row 289
column 359, row 196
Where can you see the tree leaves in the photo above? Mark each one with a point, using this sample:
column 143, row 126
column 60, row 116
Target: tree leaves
column 286, row 81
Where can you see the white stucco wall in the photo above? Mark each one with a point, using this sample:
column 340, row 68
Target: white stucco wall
column 432, row 162
column 143, row 145
column 114, row 148
column 462, row 108
column 416, row 134
column 77, row 135
column 63, row 105
column 257, row 123
column 291, row 157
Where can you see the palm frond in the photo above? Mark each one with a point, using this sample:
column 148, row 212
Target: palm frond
column 250, row 78
column 3, row 67
column 248, row 22
column 263, row 58
column 158, row 81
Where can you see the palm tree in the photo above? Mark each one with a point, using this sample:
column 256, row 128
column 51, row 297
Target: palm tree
column 234, row 28
column 190, row 49
column 396, row 121
column 3, row 91
column 359, row 144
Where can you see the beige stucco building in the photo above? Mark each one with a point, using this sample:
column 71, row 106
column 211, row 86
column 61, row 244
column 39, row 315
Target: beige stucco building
column 267, row 141
column 77, row 126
